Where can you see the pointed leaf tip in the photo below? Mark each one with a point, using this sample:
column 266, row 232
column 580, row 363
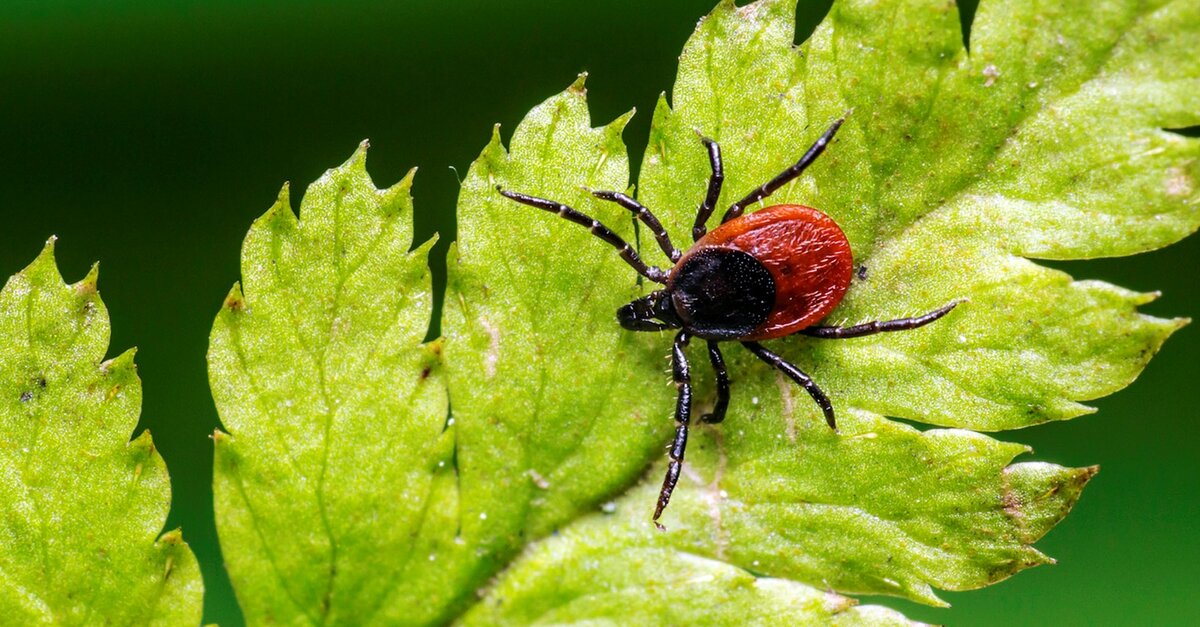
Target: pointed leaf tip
column 491, row 158
column 579, row 85
column 402, row 189
column 142, row 446
column 284, row 197
column 45, row 262
column 120, row 362
column 280, row 214
column 87, row 286
column 358, row 160
column 620, row 122
column 355, row 163
column 235, row 300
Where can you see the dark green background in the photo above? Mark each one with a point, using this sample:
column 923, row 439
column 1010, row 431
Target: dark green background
column 149, row 136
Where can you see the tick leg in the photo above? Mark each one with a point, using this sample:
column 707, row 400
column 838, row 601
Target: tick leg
column 718, row 364
column 798, row 376
column 787, row 175
column 647, row 217
column 871, row 328
column 714, row 189
column 658, row 275
column 683, row 416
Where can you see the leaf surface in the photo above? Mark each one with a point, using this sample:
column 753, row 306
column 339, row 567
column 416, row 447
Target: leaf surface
column 81, row 507
column 616, row 570
column 884, row 508
column 1044, row 142
column 333, row 456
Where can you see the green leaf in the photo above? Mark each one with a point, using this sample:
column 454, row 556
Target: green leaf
column 618, row 570
column 345, row 495
column 81, row 507
column 334, row 457
column 947, row 173
column 881, row 508
column 553, row 408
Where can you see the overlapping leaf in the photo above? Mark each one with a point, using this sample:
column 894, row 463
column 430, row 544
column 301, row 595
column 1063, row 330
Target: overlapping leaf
column 333, row 460
column 81, row 507
column 341, row 492
column 618, row 570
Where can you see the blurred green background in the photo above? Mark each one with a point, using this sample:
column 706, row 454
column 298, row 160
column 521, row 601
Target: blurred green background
column 148, row 135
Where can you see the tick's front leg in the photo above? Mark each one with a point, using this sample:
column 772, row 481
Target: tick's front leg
column 683, row 417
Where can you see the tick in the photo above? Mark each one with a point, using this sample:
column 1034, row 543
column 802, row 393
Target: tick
column 769, row 274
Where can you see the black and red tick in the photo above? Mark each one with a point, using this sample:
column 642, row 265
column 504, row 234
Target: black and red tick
column 772, row 273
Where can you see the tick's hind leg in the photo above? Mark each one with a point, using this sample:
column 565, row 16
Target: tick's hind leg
column 871, row 328
column 797, row 375
column 722, row 405
column 683, row 417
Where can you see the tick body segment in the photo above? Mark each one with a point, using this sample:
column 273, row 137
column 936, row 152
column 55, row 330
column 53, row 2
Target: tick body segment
column 773, row 273
column 799, row 255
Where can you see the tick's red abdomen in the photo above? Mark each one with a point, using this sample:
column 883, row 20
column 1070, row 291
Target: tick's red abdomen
column 806, row 253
